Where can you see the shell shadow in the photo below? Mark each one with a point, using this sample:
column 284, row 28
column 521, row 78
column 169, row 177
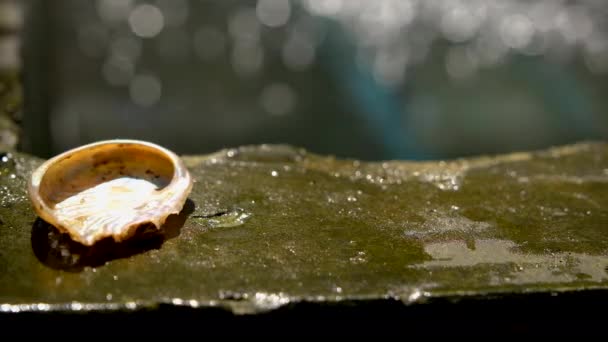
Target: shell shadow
column 57, row 250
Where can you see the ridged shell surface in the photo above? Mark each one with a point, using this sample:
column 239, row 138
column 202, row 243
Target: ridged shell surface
column 109, row 189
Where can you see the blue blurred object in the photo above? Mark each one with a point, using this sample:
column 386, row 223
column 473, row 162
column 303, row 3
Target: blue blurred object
column 386, row 109
column 380, row 106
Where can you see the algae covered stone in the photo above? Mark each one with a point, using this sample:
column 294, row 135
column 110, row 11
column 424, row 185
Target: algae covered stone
column 268, row 225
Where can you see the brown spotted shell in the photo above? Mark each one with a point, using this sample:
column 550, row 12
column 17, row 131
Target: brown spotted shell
column 109, row 188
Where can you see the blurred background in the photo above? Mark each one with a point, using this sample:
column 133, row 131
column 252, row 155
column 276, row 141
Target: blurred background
column 375, row 80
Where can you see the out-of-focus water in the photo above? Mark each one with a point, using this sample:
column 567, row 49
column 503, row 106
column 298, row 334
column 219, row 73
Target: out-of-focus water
column 382, row 79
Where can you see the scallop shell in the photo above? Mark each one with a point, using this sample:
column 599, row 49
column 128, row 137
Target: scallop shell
column 109, row 188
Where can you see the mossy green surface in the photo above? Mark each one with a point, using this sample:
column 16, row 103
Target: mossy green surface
column 271, row 225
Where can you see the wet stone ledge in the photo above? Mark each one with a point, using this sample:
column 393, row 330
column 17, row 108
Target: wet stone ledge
column 274, row 226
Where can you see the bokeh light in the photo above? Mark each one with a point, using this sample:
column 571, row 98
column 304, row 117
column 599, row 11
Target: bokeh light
column 146, row 21
column 372, row 79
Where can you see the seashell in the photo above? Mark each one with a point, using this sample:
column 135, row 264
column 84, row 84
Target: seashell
column 109, row 189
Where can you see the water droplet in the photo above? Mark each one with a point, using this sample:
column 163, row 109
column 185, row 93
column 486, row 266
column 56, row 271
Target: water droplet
column 273, row 173
column 270, row 300
column 352, row 199
column 109, row 296
column 360, row 258
column 43, row 307
column 233, row 218
column 415, row 295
